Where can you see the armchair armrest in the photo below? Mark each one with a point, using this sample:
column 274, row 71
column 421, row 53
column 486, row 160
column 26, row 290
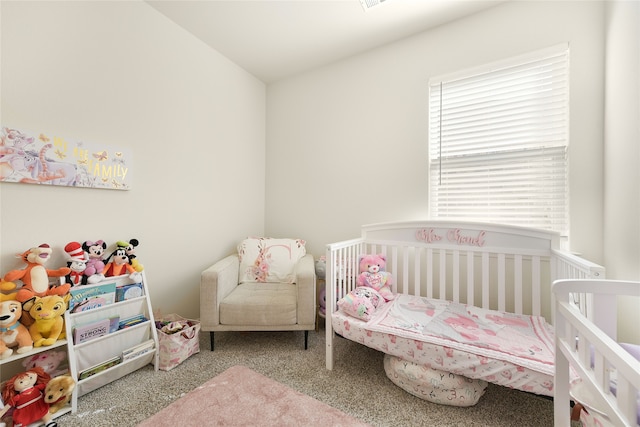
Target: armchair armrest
column 306, row 282
column 216, row 282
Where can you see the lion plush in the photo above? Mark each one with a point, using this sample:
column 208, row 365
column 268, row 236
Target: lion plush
column 12, row 332
column 58, row 392
column 47, row 312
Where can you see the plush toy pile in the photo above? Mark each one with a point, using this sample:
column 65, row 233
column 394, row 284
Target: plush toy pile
column 38, row 289
column 33, row 300
column 373, row 290
column 26, row 395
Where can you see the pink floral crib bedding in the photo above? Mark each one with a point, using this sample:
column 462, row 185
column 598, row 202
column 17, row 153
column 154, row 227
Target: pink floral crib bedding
column 515, row 351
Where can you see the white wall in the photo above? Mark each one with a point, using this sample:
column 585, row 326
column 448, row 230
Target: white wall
column 347, row 143
column 120, row 73
column 622, row 155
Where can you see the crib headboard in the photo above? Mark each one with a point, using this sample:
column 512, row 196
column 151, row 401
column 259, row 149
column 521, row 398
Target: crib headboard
column 500, row 267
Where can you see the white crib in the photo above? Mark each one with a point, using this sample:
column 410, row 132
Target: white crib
column 590, row 347
column 505, row 268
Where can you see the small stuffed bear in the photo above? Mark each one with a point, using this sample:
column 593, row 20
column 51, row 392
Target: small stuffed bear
column 58, row 392
column 372, row 274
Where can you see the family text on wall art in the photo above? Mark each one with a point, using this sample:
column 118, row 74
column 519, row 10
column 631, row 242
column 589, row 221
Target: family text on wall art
column 47, row 159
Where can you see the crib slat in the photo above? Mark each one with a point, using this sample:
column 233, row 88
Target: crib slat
column 535, row 286
column 394, row 266
column 429, row 272
column 406, row 279
column 416, row 274
column 485, row 279
column 456, row 276
column 517, row 283
column 501, row 282
column 443, row 274
column 470, row 278
column 627, row 398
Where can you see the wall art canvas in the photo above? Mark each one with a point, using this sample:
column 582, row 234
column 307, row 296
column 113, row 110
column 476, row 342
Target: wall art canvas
column 46, row 159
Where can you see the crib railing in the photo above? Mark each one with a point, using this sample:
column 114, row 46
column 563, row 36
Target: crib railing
column 571, row 266
column 592, row 350
column 496, row 274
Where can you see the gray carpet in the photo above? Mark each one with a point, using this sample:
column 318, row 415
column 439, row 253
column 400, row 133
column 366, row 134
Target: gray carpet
column 357, row 386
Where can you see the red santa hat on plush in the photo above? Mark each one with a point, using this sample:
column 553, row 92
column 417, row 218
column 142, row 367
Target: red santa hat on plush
column 74, row 251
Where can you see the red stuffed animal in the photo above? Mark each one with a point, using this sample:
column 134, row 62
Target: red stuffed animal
column 25, row 393
column 35, row 277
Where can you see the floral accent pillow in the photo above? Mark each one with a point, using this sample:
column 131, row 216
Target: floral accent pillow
column 361, row 302
column 268, row 260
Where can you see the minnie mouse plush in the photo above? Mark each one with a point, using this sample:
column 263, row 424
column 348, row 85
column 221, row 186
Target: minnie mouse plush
column 24, row 392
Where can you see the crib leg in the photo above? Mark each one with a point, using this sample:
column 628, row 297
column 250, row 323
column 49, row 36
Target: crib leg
column 306, row 339
column 211, row 335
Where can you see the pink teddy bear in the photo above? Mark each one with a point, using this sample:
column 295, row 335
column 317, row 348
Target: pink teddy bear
column 372, row 274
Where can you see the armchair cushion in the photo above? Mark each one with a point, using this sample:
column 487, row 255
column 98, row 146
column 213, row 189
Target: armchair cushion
column 269, row 260
column 260, row 304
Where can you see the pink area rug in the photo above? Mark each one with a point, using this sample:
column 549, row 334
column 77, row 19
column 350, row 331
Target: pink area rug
column 242, row 397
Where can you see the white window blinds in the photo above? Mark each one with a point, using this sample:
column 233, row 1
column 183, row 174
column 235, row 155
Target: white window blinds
column 498, row 143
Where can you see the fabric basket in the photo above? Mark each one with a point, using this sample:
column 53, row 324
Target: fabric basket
column 178, row 339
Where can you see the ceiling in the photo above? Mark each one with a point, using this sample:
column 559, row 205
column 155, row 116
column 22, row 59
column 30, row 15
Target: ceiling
column 274, row 39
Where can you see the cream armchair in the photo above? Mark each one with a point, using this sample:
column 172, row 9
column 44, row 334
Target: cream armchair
column 232, row 300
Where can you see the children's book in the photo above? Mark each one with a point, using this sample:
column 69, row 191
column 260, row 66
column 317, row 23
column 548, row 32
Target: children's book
column 133, row 320
column 88, row 297
column 138, row 350
column 125, row 292
column 99, row 367
column 89, row 331
column 84, row 333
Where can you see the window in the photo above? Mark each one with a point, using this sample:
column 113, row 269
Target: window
column 498, row 139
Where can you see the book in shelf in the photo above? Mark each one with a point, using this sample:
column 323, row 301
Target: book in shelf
column 133, row 320
column 87, row 297
column 89, row 331
column 138, row 350
column 102, row 366
column 126, row 292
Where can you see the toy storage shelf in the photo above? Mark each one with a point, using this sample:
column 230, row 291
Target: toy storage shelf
column 98, row 352
column 13, row 365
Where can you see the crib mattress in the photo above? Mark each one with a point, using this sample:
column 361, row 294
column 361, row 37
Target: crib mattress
column 468, row 364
